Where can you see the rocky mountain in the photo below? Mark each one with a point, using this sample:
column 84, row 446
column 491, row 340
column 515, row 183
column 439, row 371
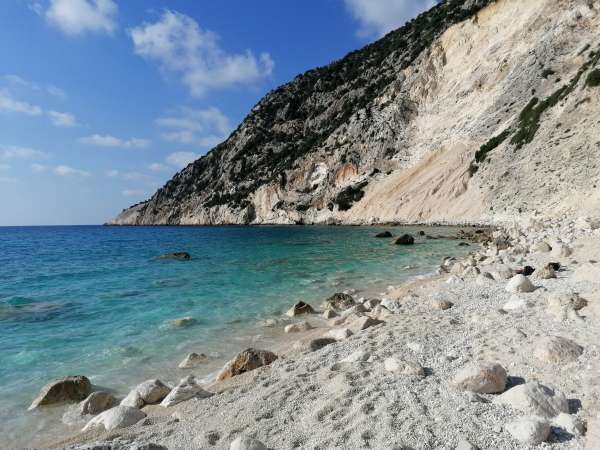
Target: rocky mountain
column 476, row 111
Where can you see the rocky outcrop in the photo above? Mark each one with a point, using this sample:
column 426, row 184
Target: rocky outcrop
column 68, row 389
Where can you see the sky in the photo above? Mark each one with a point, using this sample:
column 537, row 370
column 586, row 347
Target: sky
column 103, row 101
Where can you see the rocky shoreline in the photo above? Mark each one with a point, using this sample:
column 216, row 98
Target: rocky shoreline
column 477, row 356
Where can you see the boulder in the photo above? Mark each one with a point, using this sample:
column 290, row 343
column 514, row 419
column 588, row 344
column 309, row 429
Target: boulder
column 357, row 310
column 403, row 367
column 339, row 334
column 441, row 304
column 193, row 360
column 97, row 402
column 179, row 256
column 384, row 234
column 114, row 418
column 300, row 308
column 298, row 327
column 181, row 322
column 547, row 272
column 371, row 303
column 520, row 283
column 133, row 400
column 186, row 389
column 391, row 305
column 501, row 272
column 312, row 345
column 535, row 399
column 68, row 389
column 482, row 378
column 529, row 430
column 556, row 350
column 571, row 424
column 527, row 270
column 362, row 323
column 542, row 247
column 152, row 391
column 247, row 443
column 245, row 361
column 339, row 302
column 562, row 306
column 405, row 239
column 329, row 314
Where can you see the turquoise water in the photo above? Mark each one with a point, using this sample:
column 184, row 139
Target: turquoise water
column 94, row 300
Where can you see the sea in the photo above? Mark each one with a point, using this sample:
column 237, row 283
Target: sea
column 98, row 301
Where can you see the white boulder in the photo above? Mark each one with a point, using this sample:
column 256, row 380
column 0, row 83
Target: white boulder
column 529, row 430
column 186, row 389
column 520, row 283
column 339, row 334
column 298, row 327
column 247, row 443
column 117, row 417
column 193, row 360
column 535, row 399
column 482, row 378
column 403, row 367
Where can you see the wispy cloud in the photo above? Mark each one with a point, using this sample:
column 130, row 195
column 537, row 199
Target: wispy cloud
column 182, row 159
column 74, row 17
column 377, row 17
column 179, row 45
column 17, row 81
column 158, row 167
column 203, row 127
column 60, row 170
column 129, row 176
column 62, row 119
column 12, row 152
column 9, row 104
column 114, row 142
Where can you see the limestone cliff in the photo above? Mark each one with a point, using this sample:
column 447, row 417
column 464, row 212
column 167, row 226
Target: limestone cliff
column 476, row 111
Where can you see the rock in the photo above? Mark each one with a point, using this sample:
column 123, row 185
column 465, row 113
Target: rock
column 520, row 283
column 482, row 378
column 97, row 402
column 152, row 391
column 340, row 302
column 312, row 345
column 547, row 272
column 571, row 424
column 391, row 305
column 466, row 445
column 357, row 310
column 114, row 418
column 441, row 304
column 542, row 247
column 133, row 400
column 535, row 399
column 68, row 389
column 527, row 270
column 193, row 360
column 329, row 314
column 470, row 272
column 362, row 323
column 299, row 309
column 339, row 334
column 556, row 350
column 555, row 265
column 529, row 430
column 247, row 443
column 384, row 234
column 453, row 279
column 501, row 272
column 403, row 367
column 405, row 239
column 560, row 250
column 515, row 303
column 381, row 312
column 561, row 306
column 357, row 356
column 186, row 389
column 245, row 361
column 181, row 322
column 298, row 327
column 371, row 303
column 180, row 256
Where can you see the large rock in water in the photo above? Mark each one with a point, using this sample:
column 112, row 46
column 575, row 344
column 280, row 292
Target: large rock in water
column 114, row 418
column 482, row 378
column 535, row 399
column 556, row 350
column 384, row 234
column 97, row 402
column 179, row 256
column 405, row 239
column 68, row 389
column 299, row 309
column 246, row 361
column 193, row 360
column 340, row 302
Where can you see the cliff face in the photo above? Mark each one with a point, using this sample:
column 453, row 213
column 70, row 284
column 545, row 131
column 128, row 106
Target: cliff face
column 478, row 110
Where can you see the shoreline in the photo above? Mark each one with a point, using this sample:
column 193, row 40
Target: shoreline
column 413, row 295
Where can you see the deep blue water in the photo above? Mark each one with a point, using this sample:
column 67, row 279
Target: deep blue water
column 94, row 300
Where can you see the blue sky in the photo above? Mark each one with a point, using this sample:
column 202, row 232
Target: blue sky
column 102, row 101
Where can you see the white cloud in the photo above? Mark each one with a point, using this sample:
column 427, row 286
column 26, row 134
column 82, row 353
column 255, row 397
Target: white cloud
column 60, row 170
column 377, row 17
column 78, row 16
column 179, row 45
column 128, row 176
column 17, row 81
column 111, row 141
column 158, row 167
column 9, row 104
column 12, row 152
column 62, row 119
column 203, row 127
column 182, row 159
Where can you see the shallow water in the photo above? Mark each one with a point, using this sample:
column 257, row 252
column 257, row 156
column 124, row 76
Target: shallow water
column 94, row 300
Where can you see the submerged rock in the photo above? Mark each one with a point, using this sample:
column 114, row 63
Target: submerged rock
column 68, row 389
column 97, row 402
column 179, row 256
column 182, row 322
column 340, row 301
column 384, row 234
column 193, row 360
column 299, row 309
column 482, row 378
column 245, row 361
column 114, row 418
column 405, row 239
